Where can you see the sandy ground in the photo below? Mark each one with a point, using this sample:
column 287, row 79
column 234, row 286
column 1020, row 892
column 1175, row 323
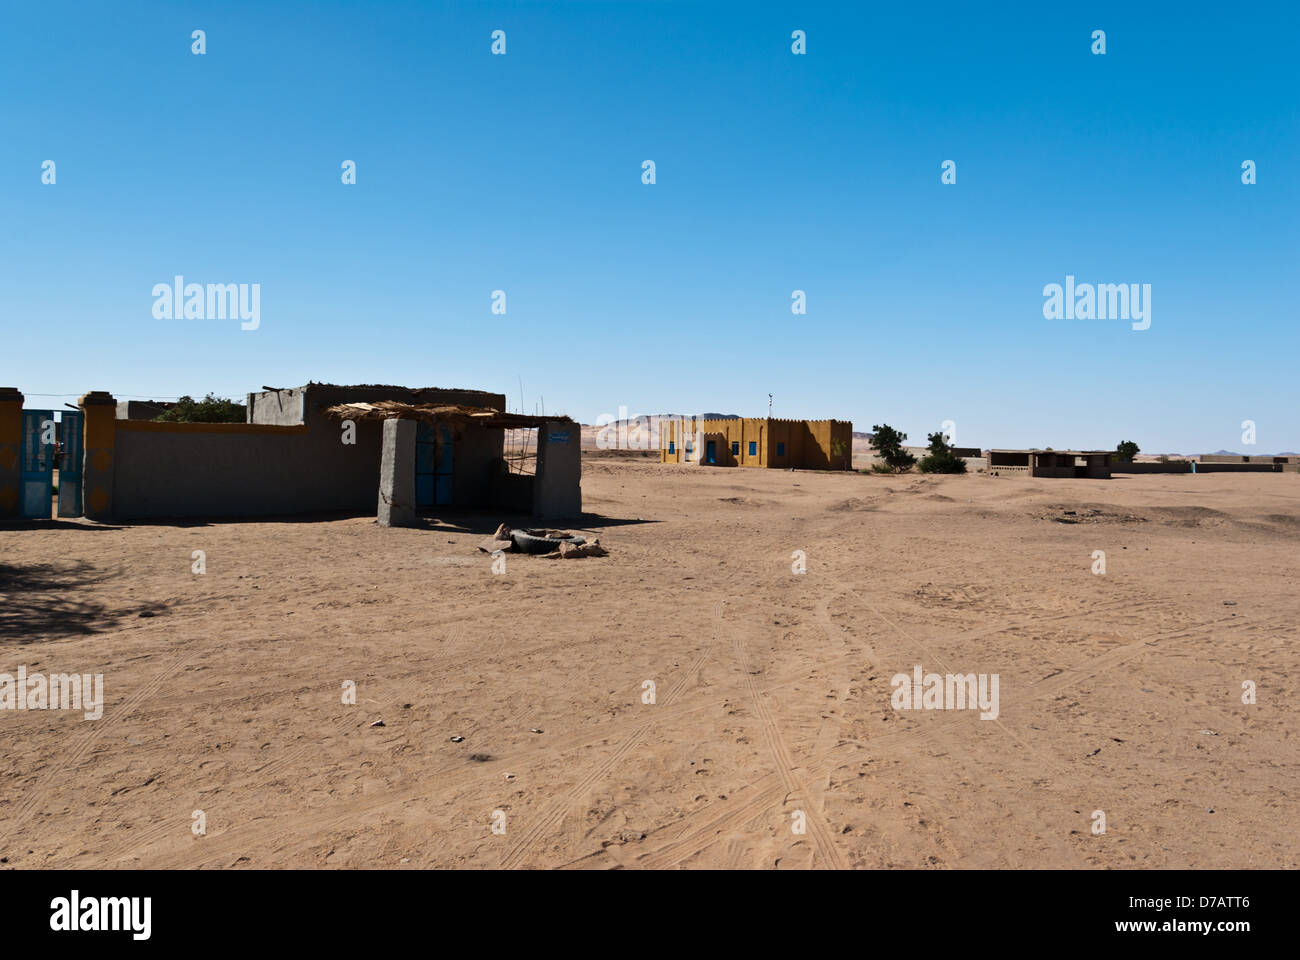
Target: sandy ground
column 1118, row 693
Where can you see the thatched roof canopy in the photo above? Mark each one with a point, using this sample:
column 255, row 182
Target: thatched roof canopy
column 436, row 413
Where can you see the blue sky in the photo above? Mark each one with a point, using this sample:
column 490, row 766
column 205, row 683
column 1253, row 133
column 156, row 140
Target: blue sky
column 775, row 172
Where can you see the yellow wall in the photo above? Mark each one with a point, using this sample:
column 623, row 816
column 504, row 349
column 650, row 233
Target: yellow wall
column 816, row 444
column 100, row 411
column 11, row 438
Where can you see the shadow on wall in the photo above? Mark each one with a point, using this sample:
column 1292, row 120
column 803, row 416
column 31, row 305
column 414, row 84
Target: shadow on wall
column 40, row 601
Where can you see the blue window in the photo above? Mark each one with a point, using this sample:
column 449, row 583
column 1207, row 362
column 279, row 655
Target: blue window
column 689, row 447
column 780, row 449
column 672, row 448
column 735, row 448
column 753, row 448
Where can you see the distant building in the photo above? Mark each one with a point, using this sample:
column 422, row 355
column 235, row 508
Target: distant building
column 141, row 409
column 1051, row 463
column 758, row 442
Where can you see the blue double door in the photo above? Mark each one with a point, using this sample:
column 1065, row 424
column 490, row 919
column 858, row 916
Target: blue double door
column 434, row 462
column 48, row 446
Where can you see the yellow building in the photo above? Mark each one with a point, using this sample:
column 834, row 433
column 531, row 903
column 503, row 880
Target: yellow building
column 755, row 442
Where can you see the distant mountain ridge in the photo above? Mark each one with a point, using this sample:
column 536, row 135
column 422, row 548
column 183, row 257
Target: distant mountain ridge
column 656, row 417
column 1234, row 453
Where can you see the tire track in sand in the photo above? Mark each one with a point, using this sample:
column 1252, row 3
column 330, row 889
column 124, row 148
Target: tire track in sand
column 554, row 812
column 449, row 777
column 703, row 828
column 822, row 839
column 82, row 745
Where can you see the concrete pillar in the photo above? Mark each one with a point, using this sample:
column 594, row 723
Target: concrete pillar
column 557, row 488
column 11, row 441
column 397, row 474
column 98, row 465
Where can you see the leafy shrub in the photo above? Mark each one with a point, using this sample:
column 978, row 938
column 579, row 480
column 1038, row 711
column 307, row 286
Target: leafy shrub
column 941, row 458
column 210, row 409
column 888, row 444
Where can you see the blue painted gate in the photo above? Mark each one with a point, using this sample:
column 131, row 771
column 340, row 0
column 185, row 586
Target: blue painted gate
column 71, row 438
column 48, row 446
column 38, row 453
column 433, row 465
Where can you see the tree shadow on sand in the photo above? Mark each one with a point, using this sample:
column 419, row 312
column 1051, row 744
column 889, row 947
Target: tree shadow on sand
column 41, row 601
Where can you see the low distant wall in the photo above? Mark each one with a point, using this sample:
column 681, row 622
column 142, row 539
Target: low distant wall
column 966, row 453
column 1283, row 458
column 1185, row 466
column 1239, row 468
column 1173, row 466
column 973, row 464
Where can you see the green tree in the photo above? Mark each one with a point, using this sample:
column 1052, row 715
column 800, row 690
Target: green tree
column 941, row 458
column 210, row 409
column 888, row 444
column 1126, row 451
